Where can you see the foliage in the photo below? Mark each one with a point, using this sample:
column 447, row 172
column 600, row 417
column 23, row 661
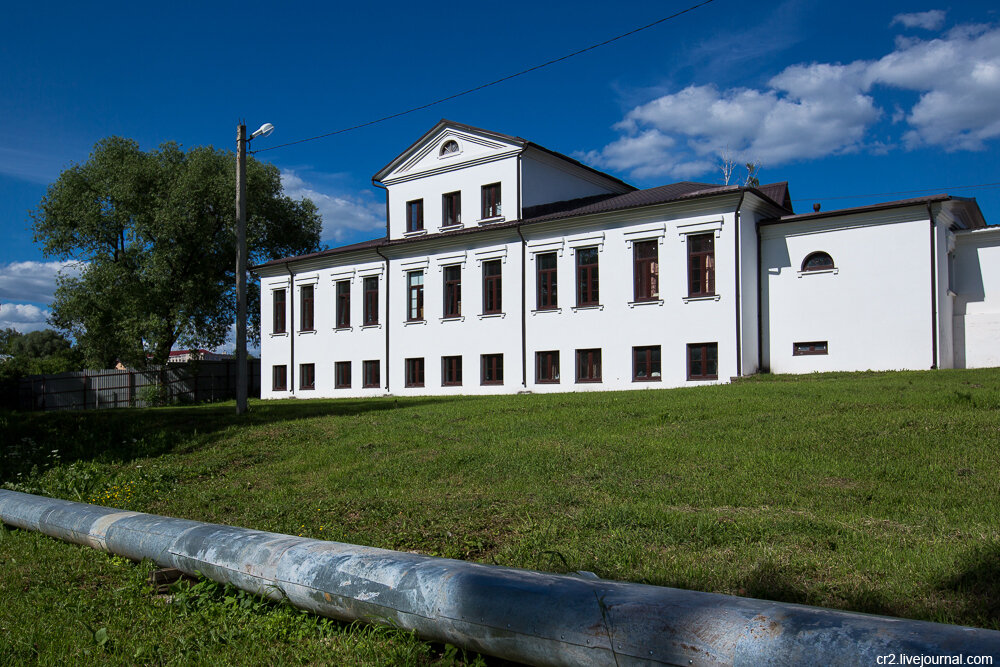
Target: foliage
column 156, row 230
column 36, row 353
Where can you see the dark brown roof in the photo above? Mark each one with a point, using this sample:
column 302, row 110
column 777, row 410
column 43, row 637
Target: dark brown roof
column 778, row 193
column 857, row 209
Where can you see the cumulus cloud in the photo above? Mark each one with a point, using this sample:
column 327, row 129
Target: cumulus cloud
column 932, row 20
column 23, row 316
column 33, row 281
column 813, row 110
column 342, row 213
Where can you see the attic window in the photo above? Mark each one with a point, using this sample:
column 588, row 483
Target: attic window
column 818, row 261
column 449, row 147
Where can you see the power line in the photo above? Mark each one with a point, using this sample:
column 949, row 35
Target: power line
column 491, row 83
column 903, row 192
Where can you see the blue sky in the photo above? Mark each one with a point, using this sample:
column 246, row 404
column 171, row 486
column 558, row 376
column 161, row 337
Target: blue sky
column 840, row 99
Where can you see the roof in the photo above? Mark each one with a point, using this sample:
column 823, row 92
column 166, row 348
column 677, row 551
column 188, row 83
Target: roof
column 899, row 203
column 664, row 194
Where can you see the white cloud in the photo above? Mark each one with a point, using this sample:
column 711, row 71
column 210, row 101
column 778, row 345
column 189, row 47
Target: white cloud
column 23, row 316
column 813, row 110
column 932, row 20
column 30, row 166
column 342, row 213
column 33, row 281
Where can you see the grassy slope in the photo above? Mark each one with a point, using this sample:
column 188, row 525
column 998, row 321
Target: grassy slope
column 871, row 492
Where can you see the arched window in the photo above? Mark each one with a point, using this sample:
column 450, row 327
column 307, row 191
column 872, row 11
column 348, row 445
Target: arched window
column 450, row 146
column 817, row 261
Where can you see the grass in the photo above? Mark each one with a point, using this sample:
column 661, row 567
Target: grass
column 873, row 492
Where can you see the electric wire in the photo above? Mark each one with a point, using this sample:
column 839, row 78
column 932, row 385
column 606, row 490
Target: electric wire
column 489, row 84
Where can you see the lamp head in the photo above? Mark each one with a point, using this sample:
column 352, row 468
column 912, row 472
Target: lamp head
column 263, row 131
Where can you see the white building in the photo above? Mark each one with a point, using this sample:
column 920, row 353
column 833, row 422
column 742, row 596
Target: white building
column 508, row 267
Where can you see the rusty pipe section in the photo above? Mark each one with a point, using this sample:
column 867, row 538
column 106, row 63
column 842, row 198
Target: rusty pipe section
column 531, row 617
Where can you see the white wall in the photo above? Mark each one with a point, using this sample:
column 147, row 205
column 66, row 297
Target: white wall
column 977, row 304
column 546, row 178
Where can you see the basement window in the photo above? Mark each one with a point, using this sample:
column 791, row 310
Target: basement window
column 811, row 347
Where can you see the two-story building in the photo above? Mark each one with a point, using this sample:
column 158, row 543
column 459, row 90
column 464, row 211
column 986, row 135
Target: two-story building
column 508, row 267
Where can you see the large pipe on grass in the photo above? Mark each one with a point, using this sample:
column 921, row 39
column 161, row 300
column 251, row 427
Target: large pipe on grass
column 521, row 615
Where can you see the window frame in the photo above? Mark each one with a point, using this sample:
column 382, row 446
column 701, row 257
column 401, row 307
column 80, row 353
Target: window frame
column 588, row 278
column 553, row 274
column 279, row 314
column 338, row 374
column 307, row 371
column 368, row 381
column 307, row 315
column 451, row 371
column 493, row 362
column 588, row 355
column 283, row 386
column 414, row 372
column 451, row 203
column 703, row 348
column 415, row 309
column 701, row 265
column 452, row 292
column 817, row 254
column 812, row 348
column 647, row 352
column 490, row 200
column 492, row 287
column 370, row 306
column 646, row 272
column 343, row 309
column 547, row 369
column 415, row 215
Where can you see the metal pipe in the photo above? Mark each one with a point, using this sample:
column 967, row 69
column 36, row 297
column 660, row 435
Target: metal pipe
column 531, row 617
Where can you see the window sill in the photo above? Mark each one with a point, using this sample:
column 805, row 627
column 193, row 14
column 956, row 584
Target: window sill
column 834, row 271
column 645, row 302
column 335, row 329
column 540, row 311
column 279, row 389
column 705, row 297
column 451, row 228
column 305, row 331
column 307, row 388
column 656, row 379
column 451, row 384
column 546, row 381
column 409, row 323
column 415, row 232
column 413, row 386
column 589, row 381
column 491, row 384
column 484, row 316
column 596, row 306
column 707, row 378
column 371, row 386
column 279, row 334
column 371, row 326
column 492, row 221
column 457, row 318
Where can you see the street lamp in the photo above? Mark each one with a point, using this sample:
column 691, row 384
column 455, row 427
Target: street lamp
column 241, row 259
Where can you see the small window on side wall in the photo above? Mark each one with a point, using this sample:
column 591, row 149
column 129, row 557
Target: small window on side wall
column 449, row 147
column 810, row 347
column 818, row 261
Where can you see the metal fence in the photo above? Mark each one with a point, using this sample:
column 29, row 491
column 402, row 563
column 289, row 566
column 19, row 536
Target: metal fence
column 194, row 382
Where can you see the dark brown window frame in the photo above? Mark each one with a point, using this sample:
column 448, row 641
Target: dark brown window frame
column 703, row 347
column 367, row 381
column 585, row 359
column 822, row 267
column 491, row 207
column 415, row 215
column 283, row 385
column 493, row 362
column 452, row 306
column 339, row 369
column 701, row 265
column 492, row 287
column 547, row 367
column 588, row 278
column 414, row 315
column 813, row 347
column 280, row 309
column 307, row 377
column 646, row 351
column 552, row 302
column 307, row 321
column 451, row 371
column 451, row 209
column 646, row 271
column 370, row 301
column 414, row 372
column 343, row 296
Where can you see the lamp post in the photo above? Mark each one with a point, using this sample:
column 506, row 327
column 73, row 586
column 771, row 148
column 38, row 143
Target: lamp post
column 241, row 259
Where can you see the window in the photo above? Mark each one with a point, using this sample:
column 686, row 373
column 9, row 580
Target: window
column 370, row 371
column 415, row 215
column 491, row 201
column 343, row 304
column 817, row 261
column 279, row 378
column 450, row 146
column 307, row 376
column 451, row 209
column 588, row 365
column 307, row 308
column 278, row 322
column 371, row 301
column 703, row 361
column 453, row 291
column 415, row 290
column 812, row 347
column 547, row 296
column 492, row 369
column 547, row 367
column 646, row 267
column 451, row 371
column 586, row 277
column 415, row 372
column 342, row 375
column 701, row 265
column 492, row 288
column 646, row 364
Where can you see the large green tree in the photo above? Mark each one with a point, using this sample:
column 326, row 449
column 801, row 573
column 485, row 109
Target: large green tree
column 156, row 231
column 36, row 353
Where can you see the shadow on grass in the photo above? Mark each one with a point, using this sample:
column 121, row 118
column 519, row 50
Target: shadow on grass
column 977, row 585
column 29, row 439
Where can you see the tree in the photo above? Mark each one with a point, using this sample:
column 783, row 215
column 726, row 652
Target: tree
column 35, row 353
column 156, row 231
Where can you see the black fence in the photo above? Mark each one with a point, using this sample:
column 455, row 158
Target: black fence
column 193, row 382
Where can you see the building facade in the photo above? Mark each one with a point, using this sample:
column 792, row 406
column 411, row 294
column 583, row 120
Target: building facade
column 507, row 267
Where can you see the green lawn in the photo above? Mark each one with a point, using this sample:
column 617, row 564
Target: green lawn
column 875, row 492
